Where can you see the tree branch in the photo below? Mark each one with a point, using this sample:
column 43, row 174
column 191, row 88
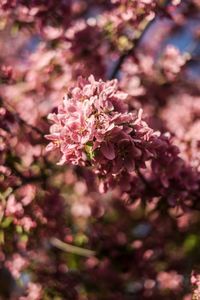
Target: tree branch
column 130, row 51
column 20, row 120
column 137, row 41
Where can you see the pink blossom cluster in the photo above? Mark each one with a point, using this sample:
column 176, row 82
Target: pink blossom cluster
column 195, row 281
column 170, row 280
column 82, row 33
column 5, row 4
column 94, row 128
column 184, row 125
column 172, row 61
column 34, row 291
column 123, row 23
column 172, row 177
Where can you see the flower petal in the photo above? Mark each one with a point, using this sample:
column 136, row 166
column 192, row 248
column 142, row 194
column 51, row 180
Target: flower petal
column 108, row 150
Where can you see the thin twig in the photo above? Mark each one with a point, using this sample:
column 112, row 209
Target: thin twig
column 130, row 51
column 71, row 248
column 20, row 120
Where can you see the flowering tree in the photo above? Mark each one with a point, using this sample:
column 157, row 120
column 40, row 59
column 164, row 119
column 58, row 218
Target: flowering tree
column 99, row 149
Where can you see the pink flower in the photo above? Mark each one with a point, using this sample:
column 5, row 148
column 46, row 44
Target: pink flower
column 16, row 264
column 172, row 61
column 170, row 280
column 13, row 207
column 33, row 291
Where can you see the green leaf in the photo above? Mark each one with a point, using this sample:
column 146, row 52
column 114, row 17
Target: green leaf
column 89, row 151
column 19, row 229
column 80, row 239
column 191, row 242
column 6, row 222
column 2, row 237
